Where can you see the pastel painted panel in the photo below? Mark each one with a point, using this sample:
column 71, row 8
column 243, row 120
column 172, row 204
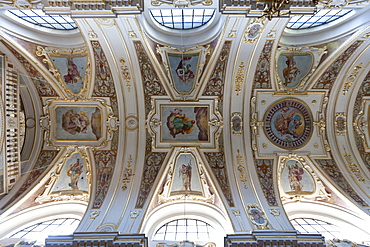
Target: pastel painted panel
column 73, row 175
column 78, row 123
column 185, row 123
column 72, row 71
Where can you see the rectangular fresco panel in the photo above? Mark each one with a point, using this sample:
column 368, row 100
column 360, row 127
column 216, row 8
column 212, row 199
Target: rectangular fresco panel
column 185, row 123
column 78, row 123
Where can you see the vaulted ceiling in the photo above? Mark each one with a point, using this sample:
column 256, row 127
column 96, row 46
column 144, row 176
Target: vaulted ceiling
column 266, row 116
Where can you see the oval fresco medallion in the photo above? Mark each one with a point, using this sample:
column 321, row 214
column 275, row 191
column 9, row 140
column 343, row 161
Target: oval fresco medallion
column 288, row 124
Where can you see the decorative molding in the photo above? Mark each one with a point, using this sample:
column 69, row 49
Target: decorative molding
column 239, row 79
column 241, row 168
column 236, row 122
column 351, row 78
column 258, row 217
column 341, row 123
column 181, row 3
column 253, row 31
column 125, row 74
column 353, row 167
column 127, row 173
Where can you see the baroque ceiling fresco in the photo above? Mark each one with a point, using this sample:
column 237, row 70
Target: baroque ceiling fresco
column 242, row 115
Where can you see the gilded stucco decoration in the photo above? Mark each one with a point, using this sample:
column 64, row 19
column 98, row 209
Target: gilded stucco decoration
column 353, row 167
column 181, row 3
column 105, row 160
column 241, row 169
column 239, row 79
column 341, row 123
column 257, row 217
column 236, row 123
column 253, row 31
column 331, row 169
column 295, row 66
column 265, row 172
column 127, row 173
column 360, row 123
column 152, row 86
column 351, row 78
column 262, row 77
column 327, row 79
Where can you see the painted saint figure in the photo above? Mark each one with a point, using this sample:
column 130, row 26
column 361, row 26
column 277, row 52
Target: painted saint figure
column 74, row 171
column 288, row 122
column 291, row 71
column 73, row 75
column 185, row 174
column 183, row 70
column 74, row 122
column 295, row 177
column 178, row 123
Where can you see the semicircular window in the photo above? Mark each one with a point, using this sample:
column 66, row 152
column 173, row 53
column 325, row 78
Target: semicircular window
column 321, row 17
column 312, row 226
column 42, row 230
column 37, row 17
column 182, row 18
column 185, row 229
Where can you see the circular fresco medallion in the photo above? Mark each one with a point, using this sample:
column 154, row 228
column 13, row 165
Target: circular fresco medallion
column 288, row 124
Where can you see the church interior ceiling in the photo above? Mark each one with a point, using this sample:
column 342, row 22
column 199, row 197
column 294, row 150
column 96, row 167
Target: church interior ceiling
column 245, row 117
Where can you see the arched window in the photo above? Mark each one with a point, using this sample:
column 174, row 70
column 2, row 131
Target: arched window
column 321, row 17
column 182, row 18
column 42, row 230
column 185, row 229
column 307, row 225
column 37, row 17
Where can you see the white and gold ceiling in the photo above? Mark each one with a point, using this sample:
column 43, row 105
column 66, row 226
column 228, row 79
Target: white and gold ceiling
column 239, row 117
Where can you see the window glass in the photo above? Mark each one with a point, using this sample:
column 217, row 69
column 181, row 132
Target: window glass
column 37, row 17
column 182, row 18
column 306, row 225
column 42, row 230
column 185, row 229
column 321, row 17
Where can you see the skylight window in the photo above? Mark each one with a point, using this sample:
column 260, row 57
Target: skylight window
column 306, row 225
column 37, row 17
column 321, row 17
column 182, row 18
column 185, row 229
column 42, row 230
